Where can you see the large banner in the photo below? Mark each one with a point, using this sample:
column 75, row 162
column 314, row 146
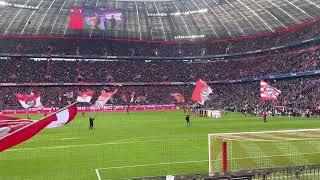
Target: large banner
column 85, row 96
column 76, row 18
column 201, row 92
column 268, row 92
column 104, row 98
column 178, row 97
column 15, row 130
column 29, row 100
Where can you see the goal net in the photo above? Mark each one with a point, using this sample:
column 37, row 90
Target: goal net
column 265, row 149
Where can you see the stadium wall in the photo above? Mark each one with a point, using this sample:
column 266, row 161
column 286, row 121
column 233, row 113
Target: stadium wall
column 110, row 108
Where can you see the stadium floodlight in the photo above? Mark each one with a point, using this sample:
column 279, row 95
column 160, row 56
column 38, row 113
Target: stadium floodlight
column 3, row 3
column 23, row 6
column 157, row 14
column 189, row 36
column 189, row 12
column 264, row 149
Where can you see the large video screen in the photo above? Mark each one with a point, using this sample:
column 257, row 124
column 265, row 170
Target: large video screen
column 99, row 19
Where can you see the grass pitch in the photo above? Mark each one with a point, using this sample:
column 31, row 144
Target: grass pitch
column 126, row 145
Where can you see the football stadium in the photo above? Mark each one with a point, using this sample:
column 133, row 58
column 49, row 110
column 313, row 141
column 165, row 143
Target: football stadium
column 160, row 89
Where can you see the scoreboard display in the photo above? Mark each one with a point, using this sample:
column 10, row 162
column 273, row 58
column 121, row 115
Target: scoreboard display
column 98, row 19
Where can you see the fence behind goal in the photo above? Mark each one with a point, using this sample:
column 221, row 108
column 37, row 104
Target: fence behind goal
column 265, row 149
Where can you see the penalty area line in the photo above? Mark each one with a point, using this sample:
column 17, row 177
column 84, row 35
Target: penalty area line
column 154, row 164
column 98, row 174
column 96, row 144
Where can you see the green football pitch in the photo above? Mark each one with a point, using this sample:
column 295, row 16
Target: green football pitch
column 126, row 145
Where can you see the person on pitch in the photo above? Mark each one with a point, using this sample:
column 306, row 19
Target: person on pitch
column 264, row 116
column 188, row 120
column 91, row 120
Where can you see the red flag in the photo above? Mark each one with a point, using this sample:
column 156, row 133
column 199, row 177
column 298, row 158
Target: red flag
column 104, row 98
column 15, row 130
column 178, row 97
column 201, row 92
column 132, row 96
column 29, row 100
column 76, row 18
column 267, row 92
column 85, row 96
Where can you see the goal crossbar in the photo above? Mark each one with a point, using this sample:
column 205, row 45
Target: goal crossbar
column 267, row 132
column 248, row 136
column 262, row 136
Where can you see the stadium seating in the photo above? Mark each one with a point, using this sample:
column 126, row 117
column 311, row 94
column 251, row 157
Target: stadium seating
column 289, row 60
column 28, row 70
column 123, row 48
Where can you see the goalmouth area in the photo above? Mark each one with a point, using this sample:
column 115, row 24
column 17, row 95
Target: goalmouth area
column 263, row 149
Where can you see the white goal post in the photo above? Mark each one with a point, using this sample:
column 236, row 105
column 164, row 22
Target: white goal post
column 263, row 149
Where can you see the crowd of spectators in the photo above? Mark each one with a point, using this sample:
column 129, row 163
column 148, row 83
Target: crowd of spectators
column 299, row 93
column 29, row 70
column 296, row 93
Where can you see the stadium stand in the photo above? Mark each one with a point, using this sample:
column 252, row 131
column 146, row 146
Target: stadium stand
column 87, row 46
column 155, row 50
column 24, row 70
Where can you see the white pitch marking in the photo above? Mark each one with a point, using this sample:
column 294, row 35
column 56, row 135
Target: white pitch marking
column 154, row 164
column 98, row 174
column 97, row 144
column 69, row 138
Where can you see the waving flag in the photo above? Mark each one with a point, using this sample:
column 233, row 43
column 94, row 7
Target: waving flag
column 68, row 95
column 141, row 99
column 178, row 97
column 132, row 96
column 29, row 100
column 15, row 130
column 104, row 98
column 85, row 96
column 267, row 92
column 201, row 92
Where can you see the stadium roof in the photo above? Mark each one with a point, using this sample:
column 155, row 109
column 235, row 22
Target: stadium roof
column 160, row 19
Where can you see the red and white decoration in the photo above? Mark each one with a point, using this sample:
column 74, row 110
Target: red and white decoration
column 267, row 92
column 201, row 92
column 85, row 96
column 29, row 100
column 104, row 98
column 132, row 96
column 76, row 18
column 178, row 97
column 15, row 130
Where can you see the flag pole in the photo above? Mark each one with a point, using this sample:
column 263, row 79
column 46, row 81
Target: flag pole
column 28, row 115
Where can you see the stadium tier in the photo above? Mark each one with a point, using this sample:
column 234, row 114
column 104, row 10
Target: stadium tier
column 159, row 89
column 26, row 69
column 126, row 47
column 300, row 93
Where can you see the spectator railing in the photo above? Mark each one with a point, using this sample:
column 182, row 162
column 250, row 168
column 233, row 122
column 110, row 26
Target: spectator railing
column 296, row 173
